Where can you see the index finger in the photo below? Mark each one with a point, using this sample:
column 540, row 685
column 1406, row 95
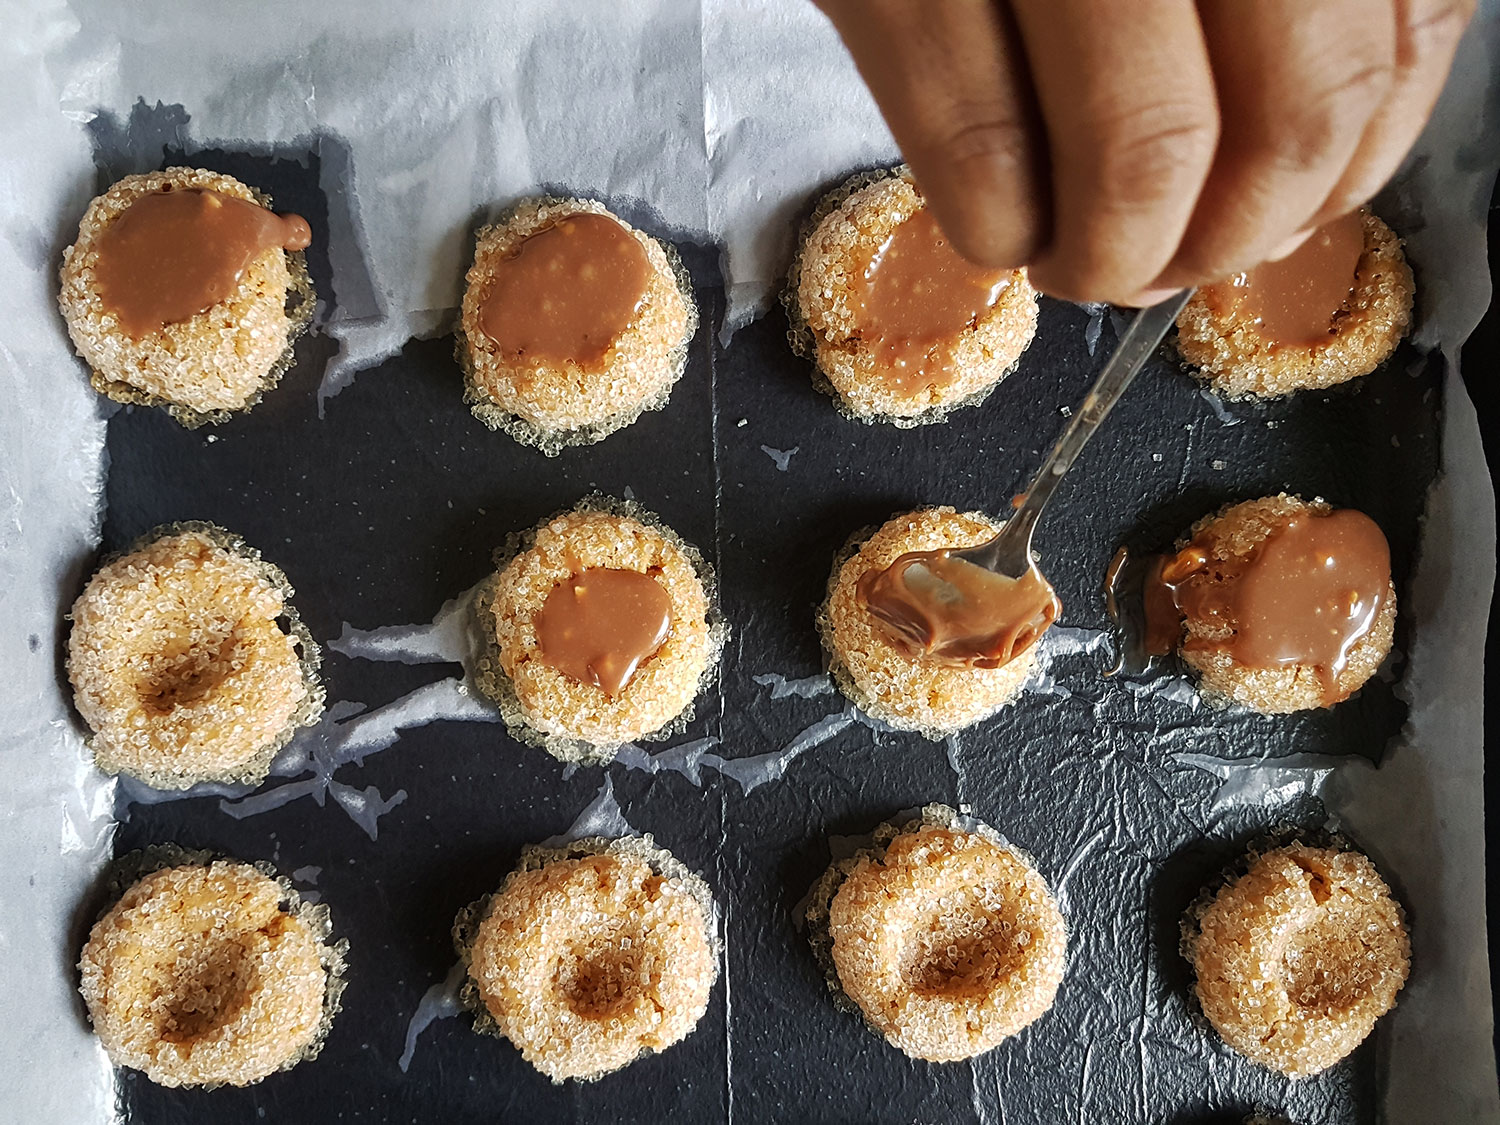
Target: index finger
column 951, row 80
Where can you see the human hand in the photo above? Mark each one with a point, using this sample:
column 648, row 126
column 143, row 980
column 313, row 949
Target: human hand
column 1123, row 150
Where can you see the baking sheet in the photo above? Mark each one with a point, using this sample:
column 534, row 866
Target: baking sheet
column 726, row 118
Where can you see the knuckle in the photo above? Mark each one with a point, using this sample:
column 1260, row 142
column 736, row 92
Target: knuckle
column 1200, row 263
column 996, row 241
column 985, row 141
column 1438, row 23
column 1356, row 193
column 1144, row 154
column 982, row 176
column 1081, row 276
column 1091, row 265
column 1193, row 265
column 1305, row 132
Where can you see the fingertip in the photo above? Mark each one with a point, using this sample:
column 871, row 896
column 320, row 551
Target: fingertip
column 1288, row 247
column 989, row 205
column 1190, row 271
column 1054, row 280
column 988, row 238
column 1153, row 296
column 1069, row 278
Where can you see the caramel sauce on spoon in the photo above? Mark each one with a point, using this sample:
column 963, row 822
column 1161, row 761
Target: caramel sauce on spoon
column 948, row 610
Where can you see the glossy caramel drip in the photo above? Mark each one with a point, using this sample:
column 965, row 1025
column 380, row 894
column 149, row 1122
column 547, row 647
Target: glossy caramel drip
column 1296, row 300
column 1163, row 620
column 567, row 293
column 940, row 608
column 600, row 625
column 916, row 296
column 1305, row 596
column 178, row 252
column 1146, row 619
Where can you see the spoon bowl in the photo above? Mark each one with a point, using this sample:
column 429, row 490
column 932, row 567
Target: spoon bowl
column 983, row 606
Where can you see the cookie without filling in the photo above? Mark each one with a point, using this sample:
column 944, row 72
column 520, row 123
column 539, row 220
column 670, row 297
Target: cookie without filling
column 1298, row 957
column 188, row 662
column 210, row 974
column 590, row 957
column 946, row 939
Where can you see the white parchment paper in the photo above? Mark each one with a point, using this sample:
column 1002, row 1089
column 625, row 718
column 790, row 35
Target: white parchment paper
column 55, row 831
column 721, row 117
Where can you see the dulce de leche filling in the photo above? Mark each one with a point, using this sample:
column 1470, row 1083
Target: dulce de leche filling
column 178, row 252
column 600, row 625
column 1305, row 596
column 1296, row 300
column 934, row 606
column 566, row 293
column 914, row 299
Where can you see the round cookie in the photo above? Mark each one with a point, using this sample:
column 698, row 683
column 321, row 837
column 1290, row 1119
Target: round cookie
column 188, row 662
column 547, row 391
column 1227, row 348
column 561, row 710
column 1299, row 956
column 944, row 937
column 215, row 362
column 1227, row 538
column 829, row 305
column 589, row 957
column 211, row 973
column 906, row 691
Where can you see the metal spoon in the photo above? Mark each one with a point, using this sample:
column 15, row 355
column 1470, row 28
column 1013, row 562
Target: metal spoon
column 1008, row 554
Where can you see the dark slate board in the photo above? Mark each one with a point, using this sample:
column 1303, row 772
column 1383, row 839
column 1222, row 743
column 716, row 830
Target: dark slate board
column 393, row 503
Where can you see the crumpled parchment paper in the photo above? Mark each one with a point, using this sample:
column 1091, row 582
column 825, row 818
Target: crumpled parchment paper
column 720, row 119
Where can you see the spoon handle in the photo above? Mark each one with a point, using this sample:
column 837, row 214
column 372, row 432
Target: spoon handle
column 1140, row 340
